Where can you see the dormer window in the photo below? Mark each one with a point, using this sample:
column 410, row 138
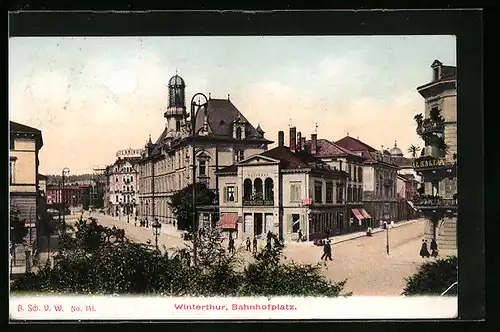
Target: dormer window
column 435, row 74
column 239, row 133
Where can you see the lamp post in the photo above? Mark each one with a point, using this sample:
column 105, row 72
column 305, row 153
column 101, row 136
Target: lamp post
column 386, row 207
column 193, row 114
column 64, row 172
column 156, row 231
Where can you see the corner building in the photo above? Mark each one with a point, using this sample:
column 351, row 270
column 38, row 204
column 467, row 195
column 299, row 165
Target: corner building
column 223, row 136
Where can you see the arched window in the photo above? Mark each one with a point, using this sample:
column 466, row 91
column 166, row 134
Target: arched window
column 257, row 184
column 238, row 133
column 247, row 189
column 269, row 189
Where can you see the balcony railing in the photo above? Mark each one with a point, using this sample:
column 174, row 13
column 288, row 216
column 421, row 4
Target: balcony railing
column 258, row 202
column 430, row 127
column 435, row 202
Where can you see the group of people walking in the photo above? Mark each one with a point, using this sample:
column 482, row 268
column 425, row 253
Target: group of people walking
column 424, row 252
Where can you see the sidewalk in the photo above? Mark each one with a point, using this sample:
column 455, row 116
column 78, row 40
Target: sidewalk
column 352, row 236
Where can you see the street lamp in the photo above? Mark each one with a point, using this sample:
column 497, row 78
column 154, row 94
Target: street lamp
column 156, row 231
column 386, row 208
column 193, row 115
column 64, row 172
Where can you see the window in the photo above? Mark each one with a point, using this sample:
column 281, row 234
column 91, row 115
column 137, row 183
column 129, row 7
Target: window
column 350, row 173
column 12, row 171
column 318, row 191
column 116, row 179
column 329, row 192
column 354, row 178
column 295, row 192
column 340, row 165
column 435, row 74
column 239, row 155
column 295, row 223
column 230, row 194
column 360, row 174
column 131, row 188
column 340, row 193
column 349, row 193
column 177, row 125
column 202, row 167
column 131, row 178
column 116, row 197
column 11, row 141
column 238, row 133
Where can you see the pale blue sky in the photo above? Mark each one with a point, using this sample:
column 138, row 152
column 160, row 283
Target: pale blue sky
column 93, row 96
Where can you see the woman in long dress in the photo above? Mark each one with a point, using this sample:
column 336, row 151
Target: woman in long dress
column 423, row 250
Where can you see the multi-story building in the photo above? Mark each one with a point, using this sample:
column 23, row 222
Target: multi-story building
column 407, row 186
column 379, row 173
column 222, row 135
column 342, row 159
column 123, row 183
column 437, row 164
column 282, row 190
column 25, row 144
column 72, row 195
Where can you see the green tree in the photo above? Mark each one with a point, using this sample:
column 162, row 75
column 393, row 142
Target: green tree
column 182, row 204
column 433, row 278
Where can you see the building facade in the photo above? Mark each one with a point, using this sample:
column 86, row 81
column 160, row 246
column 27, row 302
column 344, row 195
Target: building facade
column 342, row 159
column 123, row 183
column 282, row 190
column 438, row 161
column 379, row 173
column 71, row 194
column 222, row 136
column 25, row 144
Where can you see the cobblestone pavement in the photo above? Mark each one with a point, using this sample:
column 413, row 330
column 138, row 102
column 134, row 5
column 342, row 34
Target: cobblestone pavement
column 362, row 260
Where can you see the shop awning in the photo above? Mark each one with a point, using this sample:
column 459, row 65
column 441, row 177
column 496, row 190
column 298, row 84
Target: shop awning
column 365, row 214
column 228, row 220
column 358, row 214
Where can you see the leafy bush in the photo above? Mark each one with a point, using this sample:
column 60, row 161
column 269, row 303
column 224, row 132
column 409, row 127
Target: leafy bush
column 433, row 278
column 100, row 260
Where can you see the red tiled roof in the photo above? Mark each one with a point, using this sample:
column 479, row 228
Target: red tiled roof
column 326, row 148
column 354, row 144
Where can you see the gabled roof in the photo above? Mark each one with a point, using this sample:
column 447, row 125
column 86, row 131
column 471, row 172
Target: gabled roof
column 326, row 148
column 353, row 144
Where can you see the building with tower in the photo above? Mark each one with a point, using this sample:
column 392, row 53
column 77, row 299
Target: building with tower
column 222, row 135
column 437, row 164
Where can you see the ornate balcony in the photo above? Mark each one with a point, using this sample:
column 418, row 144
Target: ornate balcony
column 429, row 126
column 434, row 202
column 257, row 202
column 434, row 164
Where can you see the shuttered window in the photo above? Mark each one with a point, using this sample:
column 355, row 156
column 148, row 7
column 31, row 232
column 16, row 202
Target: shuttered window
column 295, row 192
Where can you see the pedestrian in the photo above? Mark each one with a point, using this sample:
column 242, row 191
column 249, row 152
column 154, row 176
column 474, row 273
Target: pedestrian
column 254, row 244
column 328, row 250
column 324, row 252
column 135, row 222
column 277, row 242
column 268, row 244
column 269, row 235
column 248, row 243
column 230, row 246
column 434, row 248
column 300, row 236
column 423, row 250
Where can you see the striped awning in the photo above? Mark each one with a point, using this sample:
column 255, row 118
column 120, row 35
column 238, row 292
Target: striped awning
column 227, row 220
column 365, row 214
column 358, row 214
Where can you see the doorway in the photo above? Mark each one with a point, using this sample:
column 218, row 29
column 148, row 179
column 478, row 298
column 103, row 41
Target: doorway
column 257, row 226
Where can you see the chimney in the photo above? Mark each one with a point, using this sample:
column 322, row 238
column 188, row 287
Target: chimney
column 314, row 143
column 281, row 138
column 299, row 141
column 293, row 137
column 303, row 143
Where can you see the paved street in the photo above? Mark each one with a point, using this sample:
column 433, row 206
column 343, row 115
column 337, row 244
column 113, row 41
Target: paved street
column 363, row 260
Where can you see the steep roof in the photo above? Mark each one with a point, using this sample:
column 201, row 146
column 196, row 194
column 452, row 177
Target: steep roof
column 353, row 144
column 326, row 148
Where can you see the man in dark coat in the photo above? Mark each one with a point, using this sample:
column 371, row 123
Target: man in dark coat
column 300, row 236
column 268, row 244
column 328, row 250
column 269, row 235
column 248, row 243
column 231, row 245
column 434, row 248
column 423, row 250
column 254, row 244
